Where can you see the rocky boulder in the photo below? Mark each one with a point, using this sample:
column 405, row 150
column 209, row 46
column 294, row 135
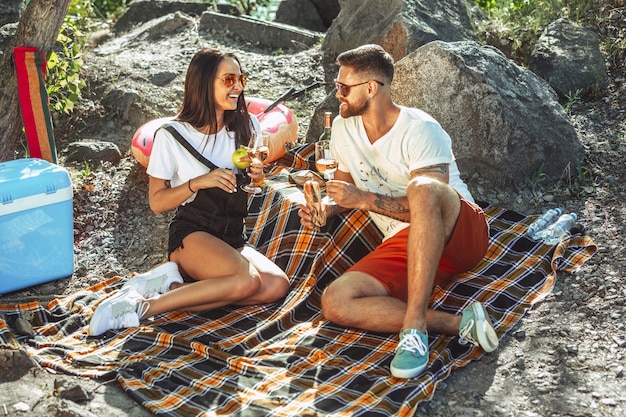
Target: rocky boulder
column 505, row 122
column 6, row 34
column 258, row 32
column 10, row 11
column 315, row 15
column 399, row 26
column 568, row 56
column 328, row 10
column 93, row 152
column 141, row 11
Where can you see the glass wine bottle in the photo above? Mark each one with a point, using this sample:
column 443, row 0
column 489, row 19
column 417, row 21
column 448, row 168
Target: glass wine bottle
column 328, row 119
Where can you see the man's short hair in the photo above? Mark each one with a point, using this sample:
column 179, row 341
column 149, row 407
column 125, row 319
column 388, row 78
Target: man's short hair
column 370, row 59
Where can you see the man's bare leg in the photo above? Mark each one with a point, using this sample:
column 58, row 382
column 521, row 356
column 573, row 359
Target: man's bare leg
column 434, row 208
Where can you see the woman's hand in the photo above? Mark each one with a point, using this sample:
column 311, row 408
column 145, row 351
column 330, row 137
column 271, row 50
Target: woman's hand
column 222, row 178
column 162, row 196
column 255, row 171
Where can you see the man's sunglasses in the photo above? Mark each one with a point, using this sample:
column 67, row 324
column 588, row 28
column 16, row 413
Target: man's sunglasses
column 344, row 89
column 230, row 79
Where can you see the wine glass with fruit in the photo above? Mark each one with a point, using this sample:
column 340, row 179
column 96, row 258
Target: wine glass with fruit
column 325, row 163
column 257, row 150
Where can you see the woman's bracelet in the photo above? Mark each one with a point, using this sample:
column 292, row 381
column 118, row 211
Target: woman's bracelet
column 189, row 186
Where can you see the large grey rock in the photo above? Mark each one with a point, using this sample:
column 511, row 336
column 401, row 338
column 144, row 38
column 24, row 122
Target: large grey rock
column 315, row 15
column 6, row 35
column 504, row 121
column 316, row 123
column 119, row 101
column 10, row 11
column 399, row 26
column 327, row 9
column 568, row 56
column 93, row 152
column 300, row 13
column 142, row 11
column 153, row 29
column 259, row 32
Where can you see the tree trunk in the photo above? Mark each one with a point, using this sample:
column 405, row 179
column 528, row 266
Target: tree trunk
column 38, row 27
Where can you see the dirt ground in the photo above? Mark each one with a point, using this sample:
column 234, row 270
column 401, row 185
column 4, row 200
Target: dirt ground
column 565, row 358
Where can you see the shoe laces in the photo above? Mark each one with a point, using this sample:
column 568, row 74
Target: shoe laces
column 142, row 308
column 127, row 313
column 465, row 334
column 123, row 318
column 412, row 343
column 151, row 292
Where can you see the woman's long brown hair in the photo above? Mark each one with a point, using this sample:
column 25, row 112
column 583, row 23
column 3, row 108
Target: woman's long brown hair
column 198, row 106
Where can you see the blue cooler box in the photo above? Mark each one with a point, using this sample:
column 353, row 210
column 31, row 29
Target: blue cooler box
column 36, row 224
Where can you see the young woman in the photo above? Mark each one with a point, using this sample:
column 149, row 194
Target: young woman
column 191, row 170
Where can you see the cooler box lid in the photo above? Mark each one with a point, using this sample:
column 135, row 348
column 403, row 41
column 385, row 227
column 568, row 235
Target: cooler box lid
column 31, row 182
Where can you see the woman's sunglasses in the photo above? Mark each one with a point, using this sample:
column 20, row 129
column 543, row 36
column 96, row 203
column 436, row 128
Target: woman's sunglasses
column 230, row 79
column 344, row 89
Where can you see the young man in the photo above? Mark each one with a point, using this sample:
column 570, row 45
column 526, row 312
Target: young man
column 397, row 163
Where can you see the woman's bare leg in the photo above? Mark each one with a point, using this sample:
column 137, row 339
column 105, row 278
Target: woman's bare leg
column 223, row 276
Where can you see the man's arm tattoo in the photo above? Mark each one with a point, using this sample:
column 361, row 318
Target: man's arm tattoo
column 333, row 210
column 168, row 183
column 439, row 169
column 391, row 207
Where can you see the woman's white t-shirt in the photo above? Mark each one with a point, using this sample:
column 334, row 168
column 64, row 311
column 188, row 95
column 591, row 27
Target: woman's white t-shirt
column 415, row 141
column 169, row 160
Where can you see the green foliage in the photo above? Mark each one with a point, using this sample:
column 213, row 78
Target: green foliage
column 108, row 8
column 65, row 63
column 249, row 6
column 584, row 175
column 535, row 179
column 86, row 172
column 487, row 5
column 572, row 99
column 579, row 184
column 519, row 23
column 63, row 80
column 492, row 5
column 262, row 9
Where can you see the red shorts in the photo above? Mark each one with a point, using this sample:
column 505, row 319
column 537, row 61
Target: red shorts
column 467, row 246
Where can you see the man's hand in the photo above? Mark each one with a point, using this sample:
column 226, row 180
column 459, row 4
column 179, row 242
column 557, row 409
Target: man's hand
column 345, row 194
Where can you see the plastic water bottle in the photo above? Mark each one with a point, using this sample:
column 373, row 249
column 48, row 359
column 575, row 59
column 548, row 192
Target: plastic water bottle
column 553, row 234
column 542, row 222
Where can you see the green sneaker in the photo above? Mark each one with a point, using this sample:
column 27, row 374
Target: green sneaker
column 476, row 328
column 411, row 355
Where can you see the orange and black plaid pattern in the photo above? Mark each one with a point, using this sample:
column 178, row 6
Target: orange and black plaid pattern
column 285, row 359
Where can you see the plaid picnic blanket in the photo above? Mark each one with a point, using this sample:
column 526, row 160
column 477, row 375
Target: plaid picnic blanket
column 285, row 359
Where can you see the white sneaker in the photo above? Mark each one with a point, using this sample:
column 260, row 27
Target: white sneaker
column 155, row 281
column 121, row 310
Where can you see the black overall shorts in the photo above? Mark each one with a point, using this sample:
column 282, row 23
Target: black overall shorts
column 213, row 211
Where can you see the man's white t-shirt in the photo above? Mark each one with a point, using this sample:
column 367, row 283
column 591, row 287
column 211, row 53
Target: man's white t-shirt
column 415, row 141
column 170, row 161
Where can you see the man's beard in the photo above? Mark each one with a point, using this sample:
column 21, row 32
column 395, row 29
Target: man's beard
column 350, row 110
